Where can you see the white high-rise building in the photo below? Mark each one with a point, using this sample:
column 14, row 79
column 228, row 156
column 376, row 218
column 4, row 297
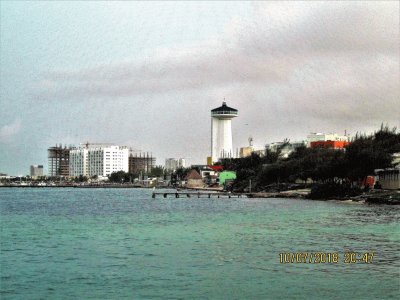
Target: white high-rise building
column 78, row 162
column 36, row 170
column 172, row 164
column 221, row 132
column 181, row 163
column 98, row 159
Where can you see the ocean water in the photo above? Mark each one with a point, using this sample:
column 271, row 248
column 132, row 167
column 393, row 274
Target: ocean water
column 61, row 243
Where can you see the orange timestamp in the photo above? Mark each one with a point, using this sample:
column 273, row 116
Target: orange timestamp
column 326, row 257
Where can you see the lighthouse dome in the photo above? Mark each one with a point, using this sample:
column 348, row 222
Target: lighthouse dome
column 224, row 110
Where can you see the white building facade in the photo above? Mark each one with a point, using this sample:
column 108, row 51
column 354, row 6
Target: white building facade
column 221, row 132
column 36, row 170
column 98, row 159
column 286, row 148
column 172, row 164
column 78, row 162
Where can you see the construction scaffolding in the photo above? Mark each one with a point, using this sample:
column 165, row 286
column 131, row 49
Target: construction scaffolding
column 58, row 159
column 141, row 162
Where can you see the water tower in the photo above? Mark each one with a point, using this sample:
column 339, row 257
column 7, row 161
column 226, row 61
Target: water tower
column 221, row 132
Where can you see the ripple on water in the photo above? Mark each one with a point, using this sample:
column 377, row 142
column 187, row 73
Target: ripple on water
column 94, row 244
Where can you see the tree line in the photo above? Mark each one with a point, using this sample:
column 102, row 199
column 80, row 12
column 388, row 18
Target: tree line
column 121, row 176
column 323, row 165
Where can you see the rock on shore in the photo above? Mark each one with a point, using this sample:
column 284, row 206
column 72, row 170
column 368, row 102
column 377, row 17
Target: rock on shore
column 372, row 197
column 381, row 197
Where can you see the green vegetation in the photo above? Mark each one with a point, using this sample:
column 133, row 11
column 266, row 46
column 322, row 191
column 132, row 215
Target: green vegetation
column 81, row 178
column 179, row 175
column 121, row 177
column 125, row 177
column 157, row 171
column 336, row 170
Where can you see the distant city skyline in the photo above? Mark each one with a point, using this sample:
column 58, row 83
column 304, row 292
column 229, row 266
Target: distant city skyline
column 146, row 74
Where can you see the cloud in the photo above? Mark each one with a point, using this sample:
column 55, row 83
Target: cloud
column 282, row 38
column 172, row 70
column 326, row 27
column 9, row 130
column 322, row 61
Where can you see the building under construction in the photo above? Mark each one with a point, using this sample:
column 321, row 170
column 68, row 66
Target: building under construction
column 58, row 158
column 141, row 162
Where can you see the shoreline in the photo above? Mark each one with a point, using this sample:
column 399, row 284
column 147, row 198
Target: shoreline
column 131, row 186
column 388, row 197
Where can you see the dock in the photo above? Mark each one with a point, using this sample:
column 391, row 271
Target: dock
column 198, row 194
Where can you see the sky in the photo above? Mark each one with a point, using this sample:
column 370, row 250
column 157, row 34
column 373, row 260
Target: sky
column 146, row 74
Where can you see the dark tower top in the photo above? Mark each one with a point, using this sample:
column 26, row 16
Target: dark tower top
column 224, row 110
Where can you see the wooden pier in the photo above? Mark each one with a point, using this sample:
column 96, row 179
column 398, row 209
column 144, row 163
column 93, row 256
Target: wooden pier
column 198, row 194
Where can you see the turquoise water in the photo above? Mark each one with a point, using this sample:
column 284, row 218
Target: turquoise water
column 122, row 244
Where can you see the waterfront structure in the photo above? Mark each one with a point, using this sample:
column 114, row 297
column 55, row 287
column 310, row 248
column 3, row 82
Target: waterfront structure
column 329, row 144
column 226, row 176
column 194, row 179
column 36, row 170
column 4, row 176
column 221, row 132
column 259, row 152
column 210, row 174
column 245, row 151
column 58, row 160
column 98, row 159
column 206, row 172
column 396, row 159
column 389, row 178
column 172, row 164
column 322, row 137
column 141, row 163
column 285, row 147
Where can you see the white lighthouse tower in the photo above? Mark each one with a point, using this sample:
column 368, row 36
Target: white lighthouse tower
column 221, row 132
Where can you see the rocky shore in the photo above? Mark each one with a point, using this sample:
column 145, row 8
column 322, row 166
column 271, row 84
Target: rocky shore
column 371, row 197
column 301, row 193
column 380, row 197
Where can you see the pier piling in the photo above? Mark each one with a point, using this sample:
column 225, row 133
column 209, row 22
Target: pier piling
column 197, row 193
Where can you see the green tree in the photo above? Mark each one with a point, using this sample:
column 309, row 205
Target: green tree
column 179, row 174
column 81, row 178
column 157, row 171
column 120, row 177
column 358, row 160
column 246, row 168
column 367, row 153
column 272, row 156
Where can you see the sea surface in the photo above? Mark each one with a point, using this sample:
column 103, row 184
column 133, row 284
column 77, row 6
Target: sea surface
column 66, row 243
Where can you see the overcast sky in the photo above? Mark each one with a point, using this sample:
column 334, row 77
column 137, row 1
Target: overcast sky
column 147, row 74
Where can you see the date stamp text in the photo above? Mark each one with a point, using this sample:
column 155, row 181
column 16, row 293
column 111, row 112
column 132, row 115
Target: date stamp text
column 326, row 257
